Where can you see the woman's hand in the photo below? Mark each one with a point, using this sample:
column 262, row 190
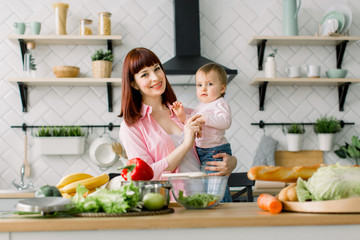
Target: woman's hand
column 224, row 167
column 192, row 129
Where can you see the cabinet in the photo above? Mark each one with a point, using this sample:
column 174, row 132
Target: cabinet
column 24, row 83
column 340, row 44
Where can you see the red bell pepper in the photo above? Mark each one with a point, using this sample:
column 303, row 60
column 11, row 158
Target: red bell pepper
column 139, row 169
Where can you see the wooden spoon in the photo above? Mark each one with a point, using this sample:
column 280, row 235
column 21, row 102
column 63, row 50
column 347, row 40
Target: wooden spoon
column 26, row 164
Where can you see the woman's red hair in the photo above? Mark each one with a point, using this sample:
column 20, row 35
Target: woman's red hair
column 131, row 99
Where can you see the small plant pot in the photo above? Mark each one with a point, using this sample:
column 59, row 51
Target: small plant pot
column 294, row 142
column 325, row 141
column 61, row 145
column 101, row 69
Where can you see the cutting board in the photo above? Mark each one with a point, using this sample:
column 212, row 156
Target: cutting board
column 349, row 205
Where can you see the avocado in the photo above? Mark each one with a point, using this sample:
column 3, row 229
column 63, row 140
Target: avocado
column 48, row 191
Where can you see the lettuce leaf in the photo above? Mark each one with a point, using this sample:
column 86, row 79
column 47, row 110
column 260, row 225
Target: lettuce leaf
column 330, row 183
column 110, row 201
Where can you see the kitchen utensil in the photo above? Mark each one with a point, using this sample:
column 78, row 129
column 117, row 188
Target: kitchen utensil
column 117, row 148
column 346, row 11
column 20, row 27
column 162, row 187
column 207, row 190
column 336, row 73
column 26, row 164
column 44, row 205
column 66, row 71
column 35, row 28
column 290, row 17
column 349, row 205
column 60, row 17
column 335, row 15
column 101, row 152
column 313, row 71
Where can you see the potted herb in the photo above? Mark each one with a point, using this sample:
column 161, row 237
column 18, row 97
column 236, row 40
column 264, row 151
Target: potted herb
column 270, row 65
column 61, row 140
column 325, row 128
column 294, row 137
column 350, row 150
column 102, row 63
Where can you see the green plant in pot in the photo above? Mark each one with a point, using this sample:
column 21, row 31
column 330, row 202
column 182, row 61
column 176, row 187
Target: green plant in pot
column 102, row 63
column 60, row 140
column 326, row 127
column 350, row 150
column 294, row 137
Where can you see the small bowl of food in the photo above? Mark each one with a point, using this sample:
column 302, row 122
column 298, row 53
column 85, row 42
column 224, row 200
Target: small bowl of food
column 66, row 71
column 198, row 192
column 336, row 73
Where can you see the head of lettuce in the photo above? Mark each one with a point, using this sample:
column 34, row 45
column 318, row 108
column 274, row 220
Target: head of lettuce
column 330, row 183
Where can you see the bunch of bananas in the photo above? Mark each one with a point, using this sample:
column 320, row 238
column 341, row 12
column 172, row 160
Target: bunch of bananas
column 67, row 185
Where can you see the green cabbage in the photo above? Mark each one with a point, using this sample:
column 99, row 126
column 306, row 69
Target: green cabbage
column 330, row 183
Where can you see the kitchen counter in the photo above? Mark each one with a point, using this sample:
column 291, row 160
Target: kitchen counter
column 224, row 216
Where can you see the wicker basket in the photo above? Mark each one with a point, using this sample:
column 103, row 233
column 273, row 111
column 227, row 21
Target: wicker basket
column 102, row 69
column 66, row 71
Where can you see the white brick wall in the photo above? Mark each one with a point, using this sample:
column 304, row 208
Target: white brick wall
column 226, row 27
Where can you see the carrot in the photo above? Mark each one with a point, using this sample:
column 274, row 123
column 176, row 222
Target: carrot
column 269, row 203
column 211, row 203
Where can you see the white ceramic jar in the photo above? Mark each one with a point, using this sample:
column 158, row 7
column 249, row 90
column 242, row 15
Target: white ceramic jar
column 270, row 67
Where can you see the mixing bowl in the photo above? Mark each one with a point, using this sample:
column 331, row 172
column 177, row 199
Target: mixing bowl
column 198, row 192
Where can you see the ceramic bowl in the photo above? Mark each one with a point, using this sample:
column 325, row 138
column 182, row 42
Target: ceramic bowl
column 336, row 73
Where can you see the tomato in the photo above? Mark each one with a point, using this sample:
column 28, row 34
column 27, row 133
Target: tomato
column 153, row 201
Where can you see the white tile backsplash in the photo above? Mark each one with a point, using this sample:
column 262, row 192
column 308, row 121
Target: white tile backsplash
column 226, row 27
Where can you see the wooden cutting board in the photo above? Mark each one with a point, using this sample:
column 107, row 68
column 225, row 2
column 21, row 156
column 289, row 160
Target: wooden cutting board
column 349, row 205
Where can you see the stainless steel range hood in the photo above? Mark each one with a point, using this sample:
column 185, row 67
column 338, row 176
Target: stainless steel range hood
column 187, row 41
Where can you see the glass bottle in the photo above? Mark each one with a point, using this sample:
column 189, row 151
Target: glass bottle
column 85, row 27
column 29, row 60
column 104, row 23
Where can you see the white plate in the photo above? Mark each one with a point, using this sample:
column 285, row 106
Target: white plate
column 344, row 9
column 330, row 26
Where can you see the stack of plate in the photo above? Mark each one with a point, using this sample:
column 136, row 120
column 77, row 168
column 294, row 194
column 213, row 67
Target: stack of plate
column 337, row 19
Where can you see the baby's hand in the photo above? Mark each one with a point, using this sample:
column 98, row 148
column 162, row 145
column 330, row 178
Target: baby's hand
column 177, row 107
column 201, row 119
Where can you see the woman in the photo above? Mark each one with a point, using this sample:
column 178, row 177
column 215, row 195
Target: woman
column 150, row 130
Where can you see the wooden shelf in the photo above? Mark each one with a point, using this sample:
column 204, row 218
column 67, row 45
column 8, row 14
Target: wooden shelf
column 67, row 39
column 304, row 81
column 303, row 40
column 66, row 81
column 341, row 83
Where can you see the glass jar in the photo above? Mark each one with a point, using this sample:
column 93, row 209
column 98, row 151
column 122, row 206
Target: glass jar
column 86, row 27
column 60, row 17
column 29, row 60
column 104, row 23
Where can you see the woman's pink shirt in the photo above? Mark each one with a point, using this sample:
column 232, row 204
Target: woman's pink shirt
column 147, row 140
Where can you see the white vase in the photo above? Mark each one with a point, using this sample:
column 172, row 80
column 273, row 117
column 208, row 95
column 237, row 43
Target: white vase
column 325, row 141
column 61, row 145
column 294, row 142
column 270, row 67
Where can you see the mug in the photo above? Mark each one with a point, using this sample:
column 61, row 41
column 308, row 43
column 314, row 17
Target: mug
column 20, row 27
column 293, row 71
column 313, row 71
column 35, row 28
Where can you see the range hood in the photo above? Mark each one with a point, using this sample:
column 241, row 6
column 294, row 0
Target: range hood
column 187, row 41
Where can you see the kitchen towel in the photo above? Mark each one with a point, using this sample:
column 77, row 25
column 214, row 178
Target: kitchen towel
column 265, row 153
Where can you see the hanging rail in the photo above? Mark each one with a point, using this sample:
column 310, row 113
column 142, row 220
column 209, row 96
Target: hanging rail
column 262, row 124
column 110, row 126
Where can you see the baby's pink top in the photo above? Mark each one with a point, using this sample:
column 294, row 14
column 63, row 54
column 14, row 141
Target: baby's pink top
column 217, row 119
column 147, row 140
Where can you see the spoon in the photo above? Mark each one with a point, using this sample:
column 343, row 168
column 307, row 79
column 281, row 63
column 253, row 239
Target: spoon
column 26, row 164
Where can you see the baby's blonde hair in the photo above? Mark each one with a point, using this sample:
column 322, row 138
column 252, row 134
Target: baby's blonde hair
column 219, row 70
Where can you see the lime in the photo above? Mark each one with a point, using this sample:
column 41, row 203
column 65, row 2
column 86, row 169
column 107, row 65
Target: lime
column 153, row 201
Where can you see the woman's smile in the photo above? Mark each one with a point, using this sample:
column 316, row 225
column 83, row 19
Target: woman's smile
column 157, row 85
